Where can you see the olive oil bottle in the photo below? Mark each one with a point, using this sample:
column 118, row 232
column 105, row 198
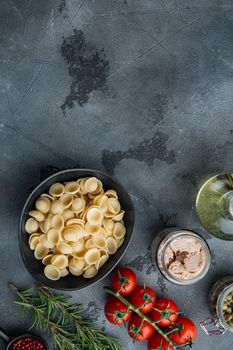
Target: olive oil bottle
column 214, row 206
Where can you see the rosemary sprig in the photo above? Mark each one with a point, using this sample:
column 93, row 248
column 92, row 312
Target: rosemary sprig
column 62, row 319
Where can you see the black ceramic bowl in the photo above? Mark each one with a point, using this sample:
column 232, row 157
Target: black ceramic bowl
column 71, row 282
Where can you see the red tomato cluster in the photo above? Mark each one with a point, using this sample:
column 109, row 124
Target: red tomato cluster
column 28, row 343
column 163, row 311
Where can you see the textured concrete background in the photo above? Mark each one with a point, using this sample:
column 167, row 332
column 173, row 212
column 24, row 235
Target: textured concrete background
column 141, row 89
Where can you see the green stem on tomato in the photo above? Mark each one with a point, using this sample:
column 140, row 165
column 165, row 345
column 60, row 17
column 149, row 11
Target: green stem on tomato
column 173, row 330
column 136, row 310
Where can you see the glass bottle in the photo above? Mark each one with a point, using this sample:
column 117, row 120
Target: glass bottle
column 214, row 206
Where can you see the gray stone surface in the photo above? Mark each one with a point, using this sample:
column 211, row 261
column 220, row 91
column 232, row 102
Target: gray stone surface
column 141, row 89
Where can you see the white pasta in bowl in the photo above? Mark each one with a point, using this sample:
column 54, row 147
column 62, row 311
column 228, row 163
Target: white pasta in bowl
column 71, row 228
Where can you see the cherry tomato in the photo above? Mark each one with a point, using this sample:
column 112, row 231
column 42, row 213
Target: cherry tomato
column 157, row 342
column 166, row 315
column 144, row 298
column 124, row 280
column 188, row 332
column 140, row 330
column 116, row 312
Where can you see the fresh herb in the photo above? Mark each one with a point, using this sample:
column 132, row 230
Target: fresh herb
column 63, row 321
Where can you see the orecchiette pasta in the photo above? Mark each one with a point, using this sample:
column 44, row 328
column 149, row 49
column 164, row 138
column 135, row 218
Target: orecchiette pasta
column 75, row 227
column 90, row 272
column 71, row 187
column 66, row 200
column 64, row 248
column 95, row 216
column 60, row 261
column 64, row 272
column 56, row 190
column 37, row 215
column 31, row 225
column 56, row 207
column 43, row 205
column 52, row 272
column 47, row 259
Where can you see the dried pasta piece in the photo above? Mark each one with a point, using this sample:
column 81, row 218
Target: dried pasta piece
column 60, row 261
column 111, row 245
column 119, row 242
column 119, row 216
column 82, row 189
column 74, row 271
column 36, row 234
column 94, row 216
column 119, row 230
column 46, row 225
column 95, row 198
column 46, row 195
column 89, row 244
column 92, row 256
column 34, row 241
column 31, row 225
column 99, row 241
column 46, row 243
column 67, row 215
column 56, row 207
column 41, row 227
column 78, row 205
column 92, row 229
column 47, row 259
column 66, row 200
column 75, row 221
column 108, row 214
column 99, row 189
column 111, row 194
column 102, row 261
column 52, row 272
column 114, row 205
column 86, row 267
column 77, row 263
column 69, row 234
column 79, row 255
column 104, row 251
column 43, row 205
column 83, row 215
column 40, row 251
column 54, row 236
column 57, row 190
column 102, row 202
column 77, row 229
column 90, row 272
column 64, row 248
column 64, row 272
column 36, row 214
column 108, row 225
column 57, row 222
column 78, row 246
column 91, row 184
column 103, row 232
column 72, row 187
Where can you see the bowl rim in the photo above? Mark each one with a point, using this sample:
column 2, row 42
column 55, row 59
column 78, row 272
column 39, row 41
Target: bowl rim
column 70, row 171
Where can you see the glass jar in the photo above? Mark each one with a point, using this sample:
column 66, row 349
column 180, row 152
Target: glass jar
column 217, row 295
column 160, row 246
